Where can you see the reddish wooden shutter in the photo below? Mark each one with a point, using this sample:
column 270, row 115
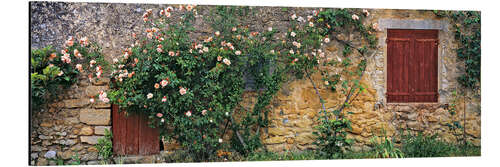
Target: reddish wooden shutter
column 132, row 135
column 412, row 66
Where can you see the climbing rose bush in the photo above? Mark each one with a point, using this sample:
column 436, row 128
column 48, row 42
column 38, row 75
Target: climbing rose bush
column 53, row 71
column 187, row 88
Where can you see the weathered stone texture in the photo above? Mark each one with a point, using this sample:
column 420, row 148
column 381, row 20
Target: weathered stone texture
column 90, row 139
column 95, row 116
column 99, row 130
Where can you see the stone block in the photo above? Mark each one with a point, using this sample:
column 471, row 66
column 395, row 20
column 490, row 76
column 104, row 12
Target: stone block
column 100, row 81
column 356, row 129
column 65, row 155
column 93, row 91
column 86, row 131
column 89, row 156
column 274, row 140
column 99, row 130
column 42, row 162
column 71, row 120
column 90, row 139
column 76, row 103
column 98, row 104
column 46, row 124
column 403, row 108
column 95, row 116
column 279, row 131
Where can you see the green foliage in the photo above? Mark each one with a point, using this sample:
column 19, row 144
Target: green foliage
column 51, row 74
column 266, row 68
column 272, row 156
column 385, row 148
column 76, row 159
column 202, row 82
column 467, row 28
column 105, row 146
column 420, row 145
column 325, row 25
column 454, row 126
column 332, row 137
column 425, row 146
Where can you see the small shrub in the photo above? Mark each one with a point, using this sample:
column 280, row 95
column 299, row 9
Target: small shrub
column 332, row 137
column 385, row 149
column 425, row 146
column 76, row 160
column 105, row 146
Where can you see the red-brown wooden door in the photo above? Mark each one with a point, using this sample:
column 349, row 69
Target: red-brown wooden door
column 132, row 135
column 412, row 65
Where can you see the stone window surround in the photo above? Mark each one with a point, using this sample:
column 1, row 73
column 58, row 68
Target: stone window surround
column 429, row 24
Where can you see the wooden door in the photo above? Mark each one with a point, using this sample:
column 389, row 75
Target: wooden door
column 132, row 135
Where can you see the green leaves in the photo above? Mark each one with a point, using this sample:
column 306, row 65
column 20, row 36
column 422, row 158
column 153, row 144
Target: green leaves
column 105, row 146
column 467, row 26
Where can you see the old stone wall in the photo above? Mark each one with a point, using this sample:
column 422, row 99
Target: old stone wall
column 73, row 125
column 298, row 105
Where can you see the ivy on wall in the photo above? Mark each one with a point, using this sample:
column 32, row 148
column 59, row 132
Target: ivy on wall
column 467, row 28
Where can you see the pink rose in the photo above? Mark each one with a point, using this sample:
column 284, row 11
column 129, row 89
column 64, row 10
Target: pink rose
column 70, row 41
column 355, row 17
column 182, row 91
column 226, row 61
column 159, row 115
column 189, row 7
column 327, row 40
column 164, row 83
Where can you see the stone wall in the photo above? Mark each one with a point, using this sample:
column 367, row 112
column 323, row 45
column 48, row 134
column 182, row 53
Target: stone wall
column 298, row 105
column 73, row 125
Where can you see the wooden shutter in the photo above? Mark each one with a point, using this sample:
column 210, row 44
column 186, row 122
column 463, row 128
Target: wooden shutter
column 132, row 135
column 412, row 66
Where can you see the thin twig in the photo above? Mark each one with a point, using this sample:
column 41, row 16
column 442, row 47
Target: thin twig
column 238, row 133
column 317, row 93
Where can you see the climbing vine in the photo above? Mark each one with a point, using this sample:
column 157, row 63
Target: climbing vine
column 467, row 30
column 329, row 25
column 193, row 89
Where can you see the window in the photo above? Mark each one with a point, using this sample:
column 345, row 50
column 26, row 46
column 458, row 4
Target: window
column 412, row 66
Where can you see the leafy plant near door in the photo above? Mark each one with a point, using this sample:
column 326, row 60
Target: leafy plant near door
column 104, row 145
